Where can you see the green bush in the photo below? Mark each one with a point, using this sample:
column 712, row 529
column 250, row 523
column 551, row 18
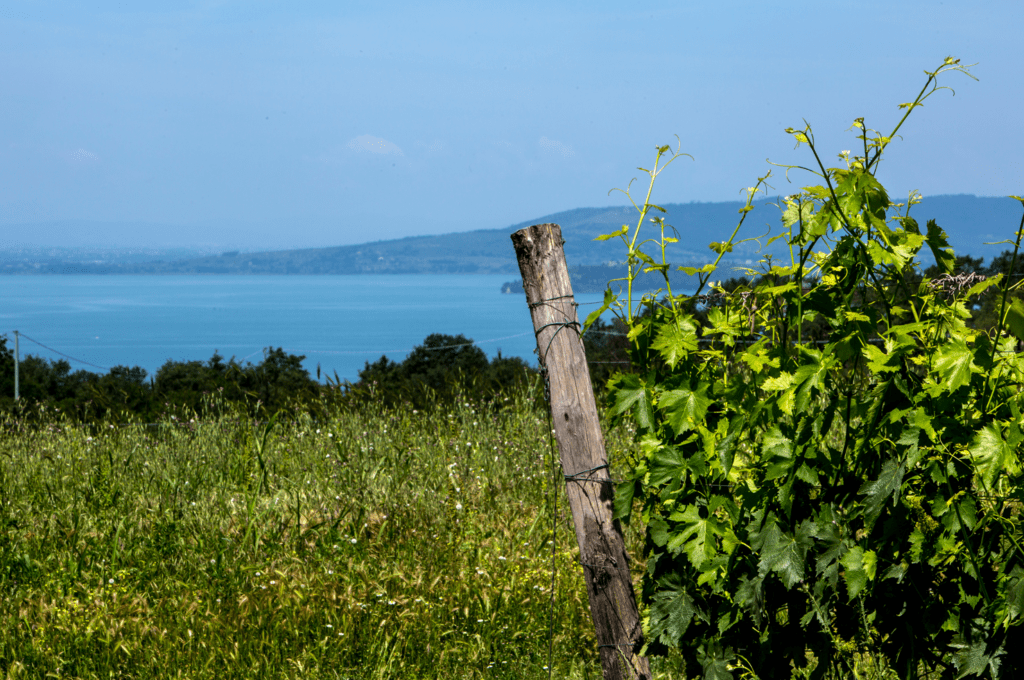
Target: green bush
column 179, row 388
column 435, row 371
column 839, row 507
column 438, row 370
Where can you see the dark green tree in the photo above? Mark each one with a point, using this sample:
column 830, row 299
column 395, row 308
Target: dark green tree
column 443, row 358
column 121, row 393
column 437, row 371
column 279, row 380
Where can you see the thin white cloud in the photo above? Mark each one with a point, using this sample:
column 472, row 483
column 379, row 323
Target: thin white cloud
column 81, row 155
column 371, row 144
column 557, row 147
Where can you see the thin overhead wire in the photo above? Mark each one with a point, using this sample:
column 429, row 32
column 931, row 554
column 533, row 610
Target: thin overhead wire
column 66, row 356
column 312, row 351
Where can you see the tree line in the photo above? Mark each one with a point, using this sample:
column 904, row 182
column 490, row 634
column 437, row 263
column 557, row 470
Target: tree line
column 177, row 388
column 436, row 371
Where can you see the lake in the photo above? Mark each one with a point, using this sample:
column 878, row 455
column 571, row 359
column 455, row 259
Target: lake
column 338, row 322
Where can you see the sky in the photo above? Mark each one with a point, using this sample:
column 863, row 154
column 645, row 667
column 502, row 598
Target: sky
column 259, row 124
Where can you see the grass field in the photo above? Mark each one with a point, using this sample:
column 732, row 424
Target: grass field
column 365, row 543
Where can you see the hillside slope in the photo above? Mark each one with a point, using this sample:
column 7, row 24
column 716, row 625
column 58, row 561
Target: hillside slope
column 969, row 220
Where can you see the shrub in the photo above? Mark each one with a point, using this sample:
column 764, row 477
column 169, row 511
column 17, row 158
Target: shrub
column 440, row 369
column 835, row 506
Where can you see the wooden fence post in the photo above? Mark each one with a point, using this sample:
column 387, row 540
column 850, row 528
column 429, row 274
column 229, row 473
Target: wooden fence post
column 577, row 428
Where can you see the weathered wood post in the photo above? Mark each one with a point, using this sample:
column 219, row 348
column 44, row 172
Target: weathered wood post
column 581, row 446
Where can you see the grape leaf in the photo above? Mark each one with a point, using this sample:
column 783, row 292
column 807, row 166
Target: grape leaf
column 757, row 357
column 672, row 610
column 706, row 269
column 954, row 362
column 609, row 299
column 620, row 232
column 717, row 669
column 830, row 543
column 776, row 444
column 1015, row 318
column 879, row 361
column 726, row 448
column 630, row 392
column 778, row 383
column 981, row 286
column 783, row 553
column 993, row 455
column 657, row 529
column 797, row 212
column 666, row 465
column 623, row 501
column 879, row 491
column 696, row 535
column 684, row 408
column 937, row 241
column 1015, row 593
column 859, row 568
column 974, row 655
column 924, row 421
column 675, row 340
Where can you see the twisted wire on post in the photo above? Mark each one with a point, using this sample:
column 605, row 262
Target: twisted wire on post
column 584, row 476
column 559, row 325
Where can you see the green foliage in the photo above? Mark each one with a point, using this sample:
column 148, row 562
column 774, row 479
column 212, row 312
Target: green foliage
column 443, row 367
column 829, row 466
column 440, row 368
column 986, row 302
column 178, row 388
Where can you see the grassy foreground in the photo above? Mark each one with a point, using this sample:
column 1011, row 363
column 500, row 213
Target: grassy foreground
column 365, row 544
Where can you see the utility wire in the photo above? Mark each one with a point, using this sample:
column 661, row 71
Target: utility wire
column 66, row 356
column 313, row 351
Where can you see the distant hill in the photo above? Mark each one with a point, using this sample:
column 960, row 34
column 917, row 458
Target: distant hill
column 969, row 221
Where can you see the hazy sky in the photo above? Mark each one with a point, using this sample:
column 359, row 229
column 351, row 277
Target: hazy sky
column 270, row 124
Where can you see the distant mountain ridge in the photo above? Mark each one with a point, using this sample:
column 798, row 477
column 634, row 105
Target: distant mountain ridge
column 969, row 220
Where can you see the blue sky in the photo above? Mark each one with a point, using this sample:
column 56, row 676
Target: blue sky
column 274, row 124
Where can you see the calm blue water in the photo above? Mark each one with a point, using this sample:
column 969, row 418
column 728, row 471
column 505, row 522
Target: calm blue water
column 339, row 322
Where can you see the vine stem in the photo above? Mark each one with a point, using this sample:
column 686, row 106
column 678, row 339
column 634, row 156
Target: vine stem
column 640, row 222
column 933, row 77
column 1002, row 310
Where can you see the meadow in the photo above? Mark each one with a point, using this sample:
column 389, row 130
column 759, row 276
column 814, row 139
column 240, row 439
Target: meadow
column 362, row 542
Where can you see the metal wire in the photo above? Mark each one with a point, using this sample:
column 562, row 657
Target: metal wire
column 66, row 356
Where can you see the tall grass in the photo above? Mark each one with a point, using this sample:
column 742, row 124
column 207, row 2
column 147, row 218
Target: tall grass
column 365, row 543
